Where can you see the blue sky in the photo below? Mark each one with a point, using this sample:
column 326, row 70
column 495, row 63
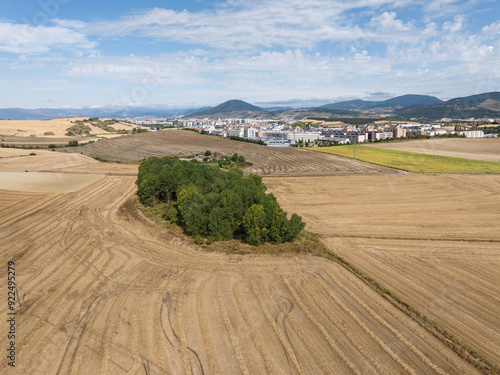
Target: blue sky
column 190, row 53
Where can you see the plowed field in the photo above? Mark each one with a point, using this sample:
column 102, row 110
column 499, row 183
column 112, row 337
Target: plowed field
column 433, row 240
column 105, row 292
column 267, row 160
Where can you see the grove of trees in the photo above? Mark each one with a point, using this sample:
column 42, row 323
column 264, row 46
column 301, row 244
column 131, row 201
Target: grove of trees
column 215, row 204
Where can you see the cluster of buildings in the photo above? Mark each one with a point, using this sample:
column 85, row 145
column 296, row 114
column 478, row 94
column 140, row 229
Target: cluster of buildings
column 283, row 134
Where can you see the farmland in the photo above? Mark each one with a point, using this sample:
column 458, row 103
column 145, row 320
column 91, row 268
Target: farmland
column 103, row 290
column 433, row 240
column 266, row 160
column 42, row 141
column 412, row 161
column 479, row 149
column 19, row 160
column 44, row 132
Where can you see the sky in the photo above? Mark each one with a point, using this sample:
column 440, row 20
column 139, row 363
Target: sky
column 193, row 53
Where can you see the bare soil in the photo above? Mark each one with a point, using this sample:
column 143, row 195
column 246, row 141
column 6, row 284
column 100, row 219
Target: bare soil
column 432, row 240
column 487, row 149
column 104, row 291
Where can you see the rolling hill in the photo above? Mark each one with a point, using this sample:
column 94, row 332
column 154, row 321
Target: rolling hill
column 385, row 106
column 486, row 105
column 478, row 106
column 233, row 108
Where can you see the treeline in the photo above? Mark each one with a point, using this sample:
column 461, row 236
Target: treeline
column 215, row 204
column 248, row 140
column 490, row 129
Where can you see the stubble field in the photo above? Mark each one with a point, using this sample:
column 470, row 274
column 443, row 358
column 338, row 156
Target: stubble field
column 486, row 149
column 433, row 240
column 104, row 291
column 17, row 131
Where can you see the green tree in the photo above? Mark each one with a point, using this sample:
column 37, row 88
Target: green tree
column 192, row 210
column 276, row 221
column 254, row 225
column 207, row 201
column 208, row 153
column 257, row 179
column 149, row 190
column 296, row 225
column 234, row 158
column 219, row 224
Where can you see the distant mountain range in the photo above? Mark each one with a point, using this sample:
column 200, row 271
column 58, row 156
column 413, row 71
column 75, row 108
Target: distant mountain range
column 485, row 105
column 478, row 106
column 404, row 107
column 106, row 112
column 389, row 105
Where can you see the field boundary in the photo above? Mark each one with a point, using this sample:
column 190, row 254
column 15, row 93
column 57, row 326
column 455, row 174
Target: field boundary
column 412, row 238
column 464, row 351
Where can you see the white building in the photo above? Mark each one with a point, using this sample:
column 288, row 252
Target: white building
column 433, row 133
column 249, row 132
column 302, row 136
column 236, row 132
column 278, row 142
column 472, row 133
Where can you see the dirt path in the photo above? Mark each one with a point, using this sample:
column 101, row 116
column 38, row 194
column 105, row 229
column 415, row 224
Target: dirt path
column 103, row 292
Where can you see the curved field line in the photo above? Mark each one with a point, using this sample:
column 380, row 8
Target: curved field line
column 354, row 342
column 231, row 331
column 213, row 366
column 284, row 342
column 390, row 328
column 324, row 333
column 254, row 336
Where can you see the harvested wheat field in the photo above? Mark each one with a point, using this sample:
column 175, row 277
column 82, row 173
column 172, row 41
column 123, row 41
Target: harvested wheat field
column 42, row 141
column 104, row 291
column 46, row 182
column 53, row 128
column 18, row 160
column 486, row 149
column 433, row 240
column 273, row 161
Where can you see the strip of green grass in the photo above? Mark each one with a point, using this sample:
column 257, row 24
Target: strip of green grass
column 412, row 161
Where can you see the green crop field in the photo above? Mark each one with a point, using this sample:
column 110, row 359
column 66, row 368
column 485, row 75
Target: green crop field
column 412, row 161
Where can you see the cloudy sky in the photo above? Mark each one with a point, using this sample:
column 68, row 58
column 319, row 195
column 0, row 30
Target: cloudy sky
column 191, row 53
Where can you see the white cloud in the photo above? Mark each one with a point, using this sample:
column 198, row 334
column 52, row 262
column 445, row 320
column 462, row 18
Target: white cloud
column 272, row 72
column 21, row 38
column 272, row 49
column 491, row 31
column 248, row 25
column 387, row 22
column 455, row 26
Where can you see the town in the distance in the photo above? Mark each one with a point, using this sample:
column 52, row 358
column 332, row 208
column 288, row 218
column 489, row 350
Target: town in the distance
column 404, row 117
